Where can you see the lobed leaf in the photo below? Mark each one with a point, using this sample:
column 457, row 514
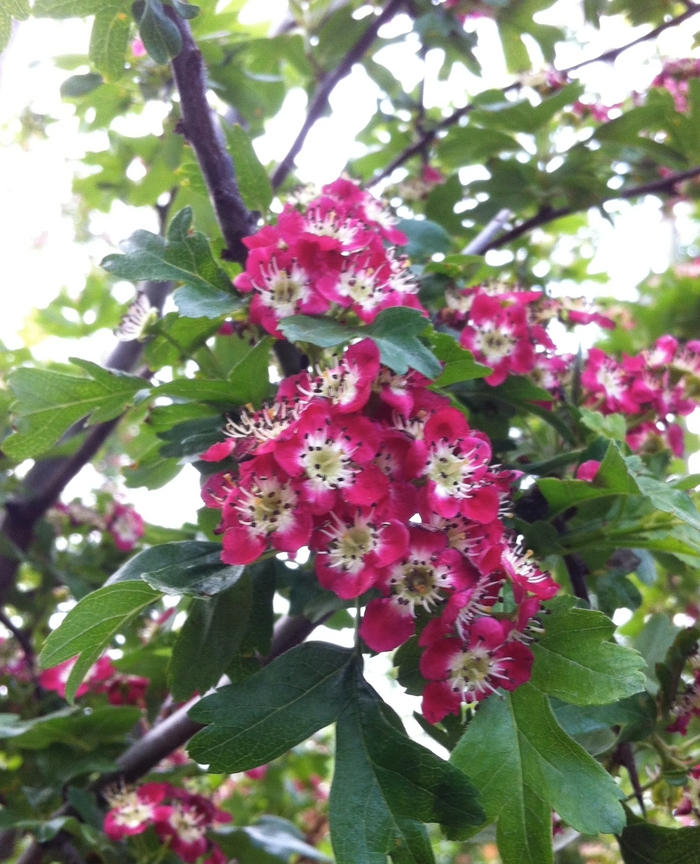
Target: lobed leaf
column 386, row 785
column 48, row 403
column 524, row 766
column 575, row 662
column 261, row 718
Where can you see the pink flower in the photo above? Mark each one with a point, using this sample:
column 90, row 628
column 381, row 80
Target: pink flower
column 470, row 669
column 587, row 470
column 126, row 527
column 132, row 812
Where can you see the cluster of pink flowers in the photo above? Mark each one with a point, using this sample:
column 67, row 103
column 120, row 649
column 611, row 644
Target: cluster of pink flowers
column 391, row 488
column 180, row 818
column 121, row 689
column 674, row 78
column 121, row 521
column 330, row 253
column 655, row 387
column 505, row 328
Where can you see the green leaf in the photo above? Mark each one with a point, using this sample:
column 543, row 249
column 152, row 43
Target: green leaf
column 160, row 35
column 323, row 332
column 73, row 727
column 185, row 10
column 10, row 9
column 394, row 330
column 65, row 8
column 209, row 640
column 49, row 402
column 185, row 567
column 612, row 478
column 91, row 625
column 250, row 377
column 637, row 710
column 459, row 364
column 643, row 843
column 662, row 495
column 608, row 426
column 200, row 302
column 396, row 333
column 653, row 643
column 425, row 238
column 261, row 718
column 574, row 660
column 271, row 840
column 80, row 85
column 386, row 785
column 109, row 38
column 253, row 181
column 524, row 766
column 184, row 257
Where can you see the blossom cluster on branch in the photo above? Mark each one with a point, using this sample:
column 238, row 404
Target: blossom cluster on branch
column 393, row 490
column 180, row 818
column 329, row 253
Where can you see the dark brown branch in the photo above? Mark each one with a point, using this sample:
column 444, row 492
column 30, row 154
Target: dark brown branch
column 23, row 638
column 549, row 214
column 202, row 130
column 427, row 138
column 577, row 570
column 319, row 103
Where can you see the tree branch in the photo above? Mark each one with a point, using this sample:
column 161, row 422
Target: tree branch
column 549, row 214
column 319, row 103
column 203, row 131
column 429, row 135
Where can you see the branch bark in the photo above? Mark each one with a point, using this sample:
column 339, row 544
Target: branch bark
column 319, row 103
column 203, row 131
column 427, row 138
column 550, row 214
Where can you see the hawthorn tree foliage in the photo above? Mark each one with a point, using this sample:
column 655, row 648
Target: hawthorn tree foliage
column 392, row 435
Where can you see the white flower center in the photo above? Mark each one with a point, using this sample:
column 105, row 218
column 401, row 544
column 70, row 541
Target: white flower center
column 451, row 471
column 284, row 291
column 268, row 506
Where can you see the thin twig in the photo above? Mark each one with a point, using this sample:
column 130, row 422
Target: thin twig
column 23, row 638
column 319, row 103
column 429, row 135
column 486, row 236
column 549, row 214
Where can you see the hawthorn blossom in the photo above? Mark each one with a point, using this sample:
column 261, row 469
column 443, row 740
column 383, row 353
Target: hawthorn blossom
column 330, row 251
column 471, row 668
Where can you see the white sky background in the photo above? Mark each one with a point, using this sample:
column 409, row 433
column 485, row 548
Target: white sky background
column 37, row 242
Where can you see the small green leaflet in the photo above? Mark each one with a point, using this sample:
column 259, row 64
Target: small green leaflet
column 183, row 567
column 271, row 840
column 49, row 402
column 524, row 766
column 575, row 662
column 261, row 718
column 385, row 786
column 91, row 625
column 460, row 364
column 160, row 35
column 184, row 257
column 395, row 331
column 252, row 178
